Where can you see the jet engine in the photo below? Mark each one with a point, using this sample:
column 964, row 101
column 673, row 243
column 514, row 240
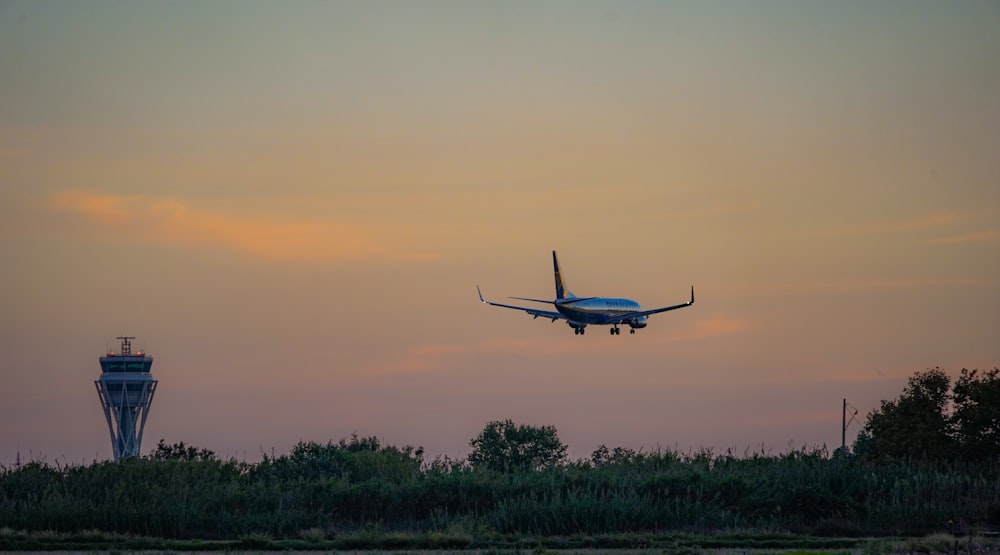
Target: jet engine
column 637, row 323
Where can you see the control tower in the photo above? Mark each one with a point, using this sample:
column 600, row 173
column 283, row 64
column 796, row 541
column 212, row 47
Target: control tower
column 126, row 390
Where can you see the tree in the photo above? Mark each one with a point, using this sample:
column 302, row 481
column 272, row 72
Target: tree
column 915, row 425
column 359, row 460
column 507, row 447
column 602, row 456
column 976, row 416
column 180, row 452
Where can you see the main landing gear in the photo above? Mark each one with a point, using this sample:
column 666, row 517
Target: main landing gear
column 615, row 330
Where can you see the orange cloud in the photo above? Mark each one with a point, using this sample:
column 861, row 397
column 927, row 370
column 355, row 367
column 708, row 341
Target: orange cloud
column 181, row 224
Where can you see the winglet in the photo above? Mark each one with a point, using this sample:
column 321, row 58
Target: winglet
column 481, row 299
column 692, row 294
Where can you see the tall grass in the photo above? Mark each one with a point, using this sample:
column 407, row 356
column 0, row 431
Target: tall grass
column 350, row 487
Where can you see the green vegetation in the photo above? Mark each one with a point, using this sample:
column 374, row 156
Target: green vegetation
column 516, row 491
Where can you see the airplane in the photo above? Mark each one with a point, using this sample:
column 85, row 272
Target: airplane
column 579, row 312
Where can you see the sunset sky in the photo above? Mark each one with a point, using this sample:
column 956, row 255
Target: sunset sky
column 290, row 206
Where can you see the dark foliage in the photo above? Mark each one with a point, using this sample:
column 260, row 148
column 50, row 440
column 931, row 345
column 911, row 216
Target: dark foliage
column 181, row 452
column 503, row 446
column 367, row 489
column 518, row 483
column 931, row 421
column 976, row 416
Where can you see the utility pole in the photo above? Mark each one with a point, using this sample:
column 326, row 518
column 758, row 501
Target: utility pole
column 844, row 423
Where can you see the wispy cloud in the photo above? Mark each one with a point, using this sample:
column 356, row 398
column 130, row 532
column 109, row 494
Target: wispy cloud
column 975, row 237
column 714, row 210
column 441, row 356
column 178, row 223
column 917, row 223
column 847, row 285
column 712, row 327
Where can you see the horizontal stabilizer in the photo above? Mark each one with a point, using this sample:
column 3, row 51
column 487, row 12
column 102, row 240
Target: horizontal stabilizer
column 532, row 300
column 552, row 315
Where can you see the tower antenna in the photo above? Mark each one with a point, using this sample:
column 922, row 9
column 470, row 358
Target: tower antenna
column 126, row 344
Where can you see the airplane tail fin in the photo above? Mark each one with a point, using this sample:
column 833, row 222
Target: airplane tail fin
column 561, row 291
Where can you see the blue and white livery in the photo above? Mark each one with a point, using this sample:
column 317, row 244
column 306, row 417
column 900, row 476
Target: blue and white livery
column 579, row 312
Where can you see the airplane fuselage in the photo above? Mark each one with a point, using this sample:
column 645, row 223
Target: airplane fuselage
column 600, row 311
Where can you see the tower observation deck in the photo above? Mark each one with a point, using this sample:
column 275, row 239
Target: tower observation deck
column 126, row 391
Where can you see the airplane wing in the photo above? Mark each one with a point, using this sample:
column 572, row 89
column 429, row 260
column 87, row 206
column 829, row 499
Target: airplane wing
column 641, row 313
column 570, row 300
column 552, row 315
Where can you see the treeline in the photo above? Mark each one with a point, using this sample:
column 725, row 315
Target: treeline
column 360, row 484
column 936, row 419
column 516, row 481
